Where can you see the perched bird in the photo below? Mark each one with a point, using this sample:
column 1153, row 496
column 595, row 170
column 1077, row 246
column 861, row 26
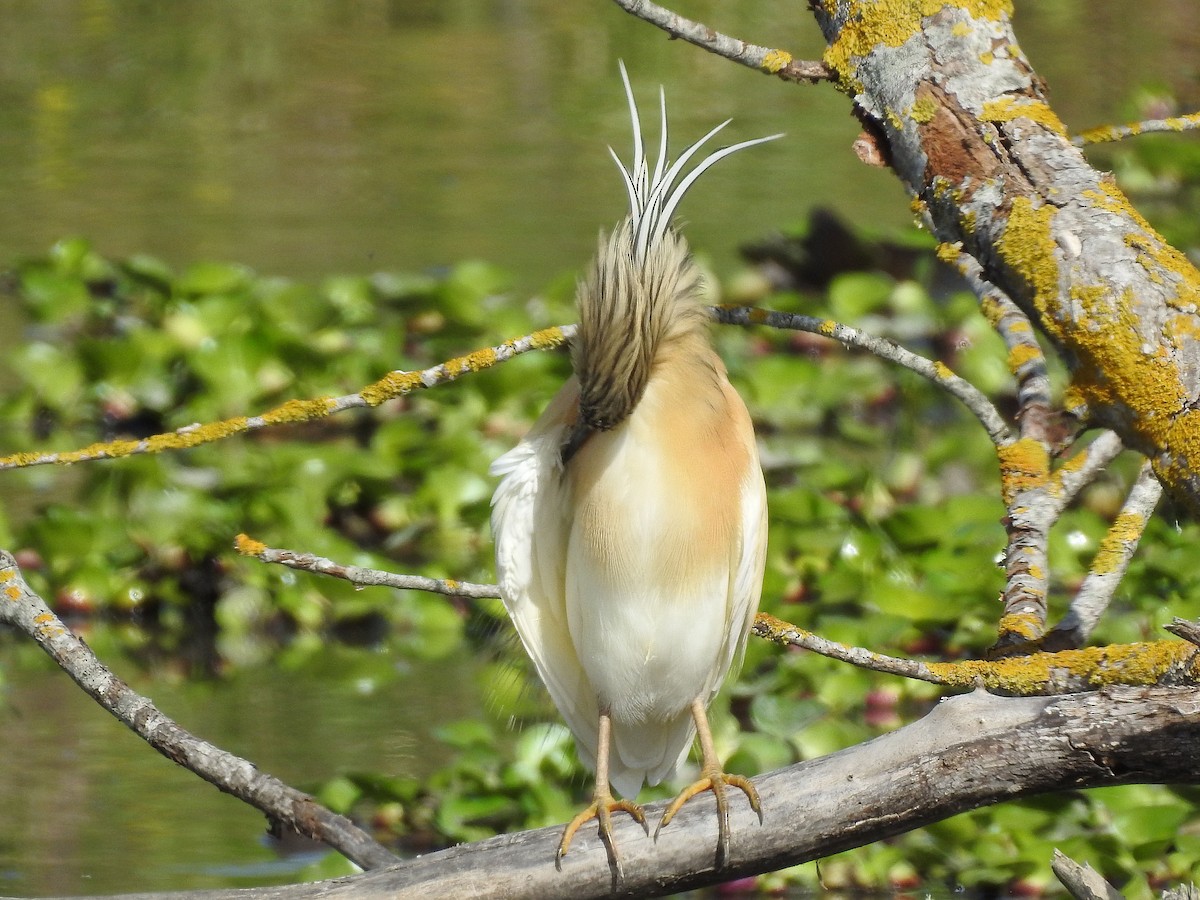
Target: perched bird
column 630, row 523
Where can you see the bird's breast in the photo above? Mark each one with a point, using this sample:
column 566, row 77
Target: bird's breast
column 655, row 535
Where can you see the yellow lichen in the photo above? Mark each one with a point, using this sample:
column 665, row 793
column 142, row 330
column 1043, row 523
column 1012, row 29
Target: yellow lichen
column 890, row 23
column 1024, row 465
column 13, row 593
column 390, row 386
column 942, row 371
column 1126, row 529
column 1101, row 135
column 948, row 253
column 1131, row 664
column 1028, row 246
column 776, row 61
column 1009, row 107
column 547, row 338
column 1021, row 354
column 828, row 327
column 1027, row 626
column 294, row 411
column 924, row 109
column 247, row 546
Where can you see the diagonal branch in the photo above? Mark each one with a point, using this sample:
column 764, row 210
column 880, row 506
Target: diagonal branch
column 307, row 562
column 773, row 62
column 24, row 610
column 969, row 395
column 1108, row 568
column 1107, row 133
column 393, row 385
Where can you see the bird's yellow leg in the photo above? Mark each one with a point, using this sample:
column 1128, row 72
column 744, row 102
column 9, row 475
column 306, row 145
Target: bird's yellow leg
column 712, row 778
column 603, row 804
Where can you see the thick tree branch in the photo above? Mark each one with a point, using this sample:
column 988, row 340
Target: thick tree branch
column 970, row 751
column 969, row 133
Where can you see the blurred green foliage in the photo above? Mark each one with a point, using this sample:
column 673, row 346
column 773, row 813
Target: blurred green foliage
column 884, row 527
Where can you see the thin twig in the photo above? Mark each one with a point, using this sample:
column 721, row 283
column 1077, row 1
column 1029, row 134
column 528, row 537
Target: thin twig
column 969, row 395
column 765, row 59
column 1024, row 465
column 1081, row 470
column 1026, row 360
column 1159, row 662
column 393, row 385
column 1107, row 133
column 23, row 609
column 1108, row 568
column 359, row 575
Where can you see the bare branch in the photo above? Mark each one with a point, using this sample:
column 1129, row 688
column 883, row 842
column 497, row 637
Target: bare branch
column 773, row 62
column 307, row 562
column 1106, row 133
column 1108, row 568
column 1082, row 882
column 969, row 395
column 26, row 611
column 393, row 385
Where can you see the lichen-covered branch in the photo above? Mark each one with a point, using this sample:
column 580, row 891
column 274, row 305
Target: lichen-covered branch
column 24, row 610
column 1082, row 469
column 766, row 59
column 1035, row 674
column 393, row 385
column 1106, row 133
column 1108, row 568
column 1024, row 463
column 1156, row 662
column 963, row 116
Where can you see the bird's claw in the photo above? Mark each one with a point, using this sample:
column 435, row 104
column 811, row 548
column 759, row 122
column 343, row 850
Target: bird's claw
column 601, row 809
column 715, row 781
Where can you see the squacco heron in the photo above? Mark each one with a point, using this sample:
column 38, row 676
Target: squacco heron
column 630, row 523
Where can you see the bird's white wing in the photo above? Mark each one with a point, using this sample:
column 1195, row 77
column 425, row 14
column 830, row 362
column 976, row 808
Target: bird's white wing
column 746, row 574
column 530, row 527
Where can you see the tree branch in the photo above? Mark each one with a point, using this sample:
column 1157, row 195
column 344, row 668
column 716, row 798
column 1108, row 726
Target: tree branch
column 1108, row 568
column 1107, row 133
column 961, row 389
column 21, row 608
column 970, row 751
column 773, row 62
column 391, row 386
column 969, row 133
column 360, row 575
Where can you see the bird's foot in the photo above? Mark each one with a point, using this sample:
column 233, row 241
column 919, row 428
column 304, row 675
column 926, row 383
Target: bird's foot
column 601, row 809
column 716, row 781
